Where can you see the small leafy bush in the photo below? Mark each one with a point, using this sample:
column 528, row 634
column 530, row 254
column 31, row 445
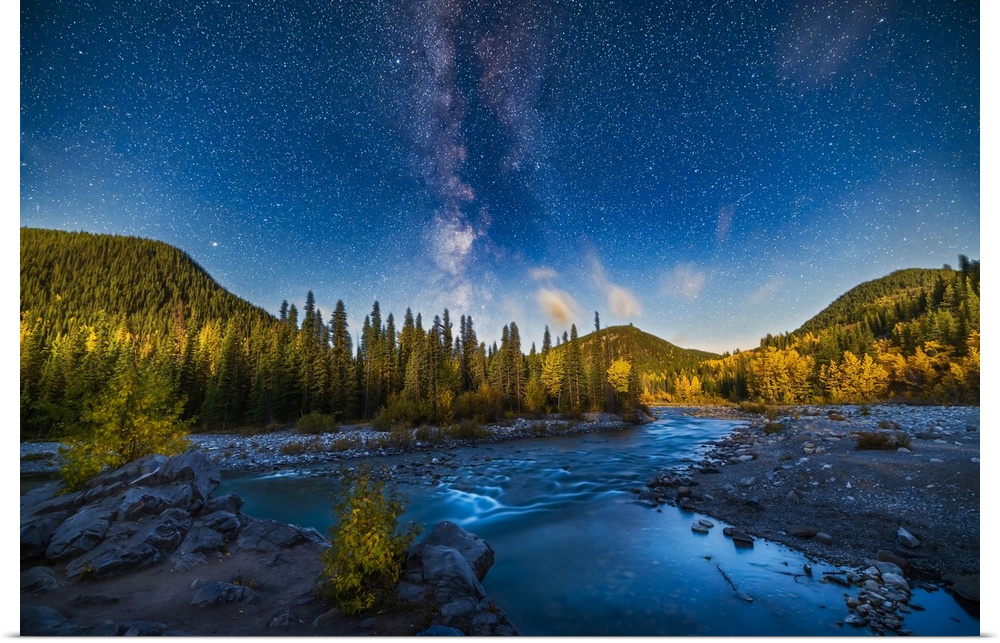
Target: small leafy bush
column 753, row 407
column 466, row 430
column 367, row 551
column 836, row 416
column 403, row 412
column 888, row 425
column 865, row 410
column 881, row 441
column 314, row 423
column 773, row 427
column 427, row 433
column 345, row 442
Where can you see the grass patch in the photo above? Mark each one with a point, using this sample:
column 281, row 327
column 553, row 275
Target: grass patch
column 881, row 441
column 836, row 416
column 888, row 425
column 427, row 433
column 314, row 445
column 466, row 430
column 345, row 442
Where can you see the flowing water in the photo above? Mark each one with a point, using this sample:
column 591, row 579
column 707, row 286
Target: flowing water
column 575, row 555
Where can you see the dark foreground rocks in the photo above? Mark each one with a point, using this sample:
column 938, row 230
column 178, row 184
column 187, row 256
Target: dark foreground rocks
column 147, row 550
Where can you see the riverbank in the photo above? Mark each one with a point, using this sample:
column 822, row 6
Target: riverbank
column 289, row 449
column 798, row 479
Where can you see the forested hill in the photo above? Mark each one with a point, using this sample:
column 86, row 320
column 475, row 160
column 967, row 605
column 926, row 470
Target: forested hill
column 67, row 275
column 648, row 353
column 901, row 296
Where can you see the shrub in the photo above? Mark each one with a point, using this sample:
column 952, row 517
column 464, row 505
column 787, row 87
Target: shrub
column 482, row 405
column 466, row 430
column 771, row 413
column 881, row 441
column 400, row 411
column 367, row 551
column 753, row 407
column 345, row 442
column 773, row 427
column 314, row 423
column 836, row 416
column 865, row 410
column 427, row 433
column 888, row 425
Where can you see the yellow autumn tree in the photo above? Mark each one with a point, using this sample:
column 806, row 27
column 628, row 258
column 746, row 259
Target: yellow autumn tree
column 854, row 379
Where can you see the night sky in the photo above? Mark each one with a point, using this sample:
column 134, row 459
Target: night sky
column 710, row 172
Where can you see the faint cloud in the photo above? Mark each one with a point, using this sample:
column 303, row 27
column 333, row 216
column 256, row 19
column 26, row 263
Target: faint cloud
column 451, row 239
column 684, row 281
column 559, row 305
column 764, row 292
column 621, row 302
column 542, row 273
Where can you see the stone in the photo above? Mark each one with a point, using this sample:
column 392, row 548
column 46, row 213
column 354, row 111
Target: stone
column 747, row 481
column 706, row 522
column 889, row 557
column 222, row 593
column 81, row 532
column 888, row 567
column 791, row 496
column 445, row 570
column 907, row 539
column 895, row 580
column 283, row 618
column 231, row 503
column 37, row 533
column 856, row 620
column 801, row 531
column 38, row 580
column 824, row 538
column 699, row 528
column 268, row 535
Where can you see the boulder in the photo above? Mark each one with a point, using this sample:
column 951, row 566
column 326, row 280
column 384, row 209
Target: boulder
column 802, row 531
column 824, row 538
column 195, row 468
column 889, row 557
column 37, row 620
column 444, row 569
column 890, row 579
column 36, row 534
column 270, row 535
column 81, row 532
column 473, row 548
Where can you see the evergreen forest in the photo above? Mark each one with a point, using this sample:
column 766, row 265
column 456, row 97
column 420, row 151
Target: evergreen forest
column 103, row 314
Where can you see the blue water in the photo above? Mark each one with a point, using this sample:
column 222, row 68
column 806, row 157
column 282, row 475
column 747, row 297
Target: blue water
column 575, row 555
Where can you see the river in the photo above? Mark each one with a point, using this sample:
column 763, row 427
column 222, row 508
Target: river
column 575, row 555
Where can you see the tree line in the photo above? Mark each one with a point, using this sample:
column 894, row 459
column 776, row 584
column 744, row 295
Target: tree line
column 254, row 371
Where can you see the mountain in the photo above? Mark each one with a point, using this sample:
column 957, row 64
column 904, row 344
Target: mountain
column 66, row 275
column 648, row 353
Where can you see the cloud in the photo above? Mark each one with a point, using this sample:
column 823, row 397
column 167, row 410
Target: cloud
column 764, row 293
column 542, row 273
column 621, row 302
column 684, row 281
column 559, row 305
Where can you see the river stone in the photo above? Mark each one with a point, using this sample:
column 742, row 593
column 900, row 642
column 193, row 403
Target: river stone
column 824, row 538
column 472, row 547
column 886, row 567
column 140, row 502
column 802, row 531
column 890, row 557
column 231, row 503
column 263, row 534
column 195, row 468
column 444, row 569
column 856, row 620
column 907, row 539
column 699, row 528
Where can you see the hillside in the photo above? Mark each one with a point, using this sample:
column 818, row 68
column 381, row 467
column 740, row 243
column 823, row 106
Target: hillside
column 900, row 296
column 68, row 275
column 648, row 353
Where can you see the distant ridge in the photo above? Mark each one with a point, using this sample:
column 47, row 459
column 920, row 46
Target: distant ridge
column 649, row 353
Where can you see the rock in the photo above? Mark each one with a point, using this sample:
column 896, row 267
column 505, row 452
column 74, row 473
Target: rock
column 699, row 528
column 706, row 522
column 86, row 600
column 38, row 580
column 907, row 539
column 81, row 532
column 889, row 557
column 886, row 567
column 283, row 618
column 856, row 620
column 440, row 630
column 895, row 580
column 445, row 570
column 37, row 620
column 801, row 531
column 473, row 548
column 965, row 586
column 194, row 468
column 824, row 538
column 230, row 503
column 791, row 496
column 37, row 533
column 747, row 481
column 150, row 544
column 268, row 535
column 221, row 593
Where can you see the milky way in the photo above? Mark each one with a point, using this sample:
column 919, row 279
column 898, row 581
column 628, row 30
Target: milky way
column 710, row 172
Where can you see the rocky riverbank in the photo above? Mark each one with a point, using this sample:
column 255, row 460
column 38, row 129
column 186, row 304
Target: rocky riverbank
column 910, row 512
column 147, row 550
column 287, row 448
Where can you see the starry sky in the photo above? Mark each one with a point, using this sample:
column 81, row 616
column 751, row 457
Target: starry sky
column 710, row 172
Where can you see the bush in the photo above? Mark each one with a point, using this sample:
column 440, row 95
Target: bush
column 483, row 405
column 367, row 551
column 836, row 416
column 881, row 441
column 753, row 407
column 888, row 425
column 427, row 433
column 314, row 423
column 773, row 427
column 466, row 430
column 403, row 412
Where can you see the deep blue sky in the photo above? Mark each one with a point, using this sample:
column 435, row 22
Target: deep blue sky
column 708, row 172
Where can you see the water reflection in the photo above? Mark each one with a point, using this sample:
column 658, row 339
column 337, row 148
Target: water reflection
column 576, row 556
